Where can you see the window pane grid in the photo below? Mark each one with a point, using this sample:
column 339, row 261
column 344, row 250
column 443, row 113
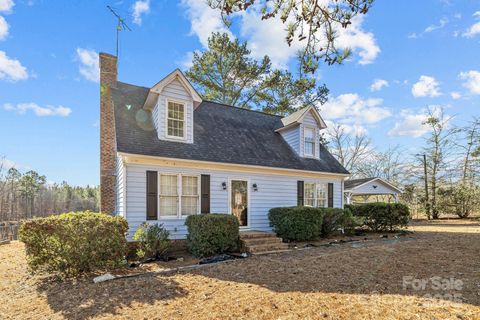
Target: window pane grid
column 175, row 119
column 309, row 141
column 315, row 195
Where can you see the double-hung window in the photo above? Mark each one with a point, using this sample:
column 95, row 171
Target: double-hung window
column 175, row 119
column 179, row 195
column 315, row 194
column 309, row 142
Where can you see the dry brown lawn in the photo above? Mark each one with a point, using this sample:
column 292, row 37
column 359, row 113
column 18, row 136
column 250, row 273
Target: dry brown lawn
column 348, row 281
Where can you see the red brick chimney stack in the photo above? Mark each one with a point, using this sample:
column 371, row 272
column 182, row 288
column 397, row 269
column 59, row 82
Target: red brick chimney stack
column 108, row 80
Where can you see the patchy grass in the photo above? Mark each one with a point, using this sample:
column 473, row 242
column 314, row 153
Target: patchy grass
column 348, row 281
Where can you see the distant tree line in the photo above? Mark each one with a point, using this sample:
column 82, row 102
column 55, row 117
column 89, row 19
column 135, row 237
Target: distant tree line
column 27, row 195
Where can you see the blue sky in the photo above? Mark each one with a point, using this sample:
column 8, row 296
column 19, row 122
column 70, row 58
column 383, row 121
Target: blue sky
column 407, row 55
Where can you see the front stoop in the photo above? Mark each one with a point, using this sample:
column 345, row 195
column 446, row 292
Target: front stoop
column 260, row 242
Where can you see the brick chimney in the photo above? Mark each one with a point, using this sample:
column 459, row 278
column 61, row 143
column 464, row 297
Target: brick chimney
column 108, row 80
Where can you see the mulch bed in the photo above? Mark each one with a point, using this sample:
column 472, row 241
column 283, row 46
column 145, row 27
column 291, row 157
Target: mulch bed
column 326, row 281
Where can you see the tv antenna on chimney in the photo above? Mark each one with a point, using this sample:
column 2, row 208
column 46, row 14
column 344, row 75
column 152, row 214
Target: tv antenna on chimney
column 121, row 25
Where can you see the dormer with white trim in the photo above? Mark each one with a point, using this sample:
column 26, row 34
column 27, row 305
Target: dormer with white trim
column 301, row 130
column 172, row 101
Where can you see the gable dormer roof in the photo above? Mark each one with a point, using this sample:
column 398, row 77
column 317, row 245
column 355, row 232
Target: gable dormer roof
column 297, row 118
column 157, row 89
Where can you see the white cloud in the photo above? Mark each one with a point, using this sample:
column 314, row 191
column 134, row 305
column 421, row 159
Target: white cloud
column 441, row 24
column 355, row 38
column 6, row 6
column 378, row 84
column 426, row 87
column 204, row 20
column 6, row 164
column 350, row 129
column 474, row 29
column 139, row 8
column 412, row 124
column 89, row 64
column 471, row 81
column 3, row 28
column 267, row 37
column 39, row 111
column 352, row 109
column 11, row 69
column 187, row 61
column 455, row 95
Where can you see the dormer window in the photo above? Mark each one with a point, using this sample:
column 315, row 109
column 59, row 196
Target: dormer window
column 309, row 143
column 175, row 120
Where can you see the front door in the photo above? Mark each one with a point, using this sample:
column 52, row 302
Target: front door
column 239, row 201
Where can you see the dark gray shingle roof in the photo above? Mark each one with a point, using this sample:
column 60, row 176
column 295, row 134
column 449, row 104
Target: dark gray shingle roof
column 221, row 134
column 353, row 183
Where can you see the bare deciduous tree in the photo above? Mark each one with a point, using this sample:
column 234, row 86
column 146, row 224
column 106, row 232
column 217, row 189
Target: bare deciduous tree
column 349, row 150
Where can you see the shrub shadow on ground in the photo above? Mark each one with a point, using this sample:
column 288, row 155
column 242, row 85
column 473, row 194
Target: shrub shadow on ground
column 85, row 299
column 377, row 268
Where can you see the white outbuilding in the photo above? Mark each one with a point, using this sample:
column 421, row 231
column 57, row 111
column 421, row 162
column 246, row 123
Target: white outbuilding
column 369, row 187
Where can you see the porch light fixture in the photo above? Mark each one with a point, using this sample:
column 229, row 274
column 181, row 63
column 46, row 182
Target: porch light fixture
column 224, row 185
column 255, row 187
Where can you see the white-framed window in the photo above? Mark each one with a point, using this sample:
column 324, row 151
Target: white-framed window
column 175, row 125
column 179, row 195
column 309, row 141
column 315, row 194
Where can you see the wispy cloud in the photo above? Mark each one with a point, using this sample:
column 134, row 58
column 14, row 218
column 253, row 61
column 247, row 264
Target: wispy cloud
column 6, row 6
column 89, row 64
column 11, row 69
column 431, row 28
column 47, row 111
column 351, row 110
column 455, row 95
column 140, row 8
column 3, row 28
column 474, row 29
column 412, row 124
column 378, row 84
column 471, row 81
column 426, row 87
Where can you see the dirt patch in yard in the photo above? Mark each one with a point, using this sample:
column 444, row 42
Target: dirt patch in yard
column 328, row 282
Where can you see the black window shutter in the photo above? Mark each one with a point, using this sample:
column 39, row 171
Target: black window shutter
column 330, row 195
column 152, row 195
column 205, row 192
column 300, row 193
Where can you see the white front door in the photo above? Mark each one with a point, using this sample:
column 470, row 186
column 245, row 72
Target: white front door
column 239, row 201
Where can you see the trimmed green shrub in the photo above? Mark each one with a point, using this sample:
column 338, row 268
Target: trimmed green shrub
column 335, row 219
column 380, row 216
column 74, row 243
column 210, row 234
column 152, row 240
column 296, row 223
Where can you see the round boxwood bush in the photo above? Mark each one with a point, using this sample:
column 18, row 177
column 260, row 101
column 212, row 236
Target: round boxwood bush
column 296, row 223
column 75, row 242
column 210, row 234
column 381, row 216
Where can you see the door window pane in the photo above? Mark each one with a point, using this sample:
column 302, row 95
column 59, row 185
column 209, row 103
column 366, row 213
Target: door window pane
column 239, row 201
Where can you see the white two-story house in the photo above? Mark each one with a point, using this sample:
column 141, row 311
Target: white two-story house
column 167, row 154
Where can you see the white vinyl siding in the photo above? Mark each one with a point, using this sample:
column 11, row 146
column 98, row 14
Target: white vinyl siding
column 120, row 184
column 174, row 92
column 310, row 122
column 292, row 137
column 273, row 191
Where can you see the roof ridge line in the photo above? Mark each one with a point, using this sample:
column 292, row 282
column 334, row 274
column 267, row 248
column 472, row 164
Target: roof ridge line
column 257, row 111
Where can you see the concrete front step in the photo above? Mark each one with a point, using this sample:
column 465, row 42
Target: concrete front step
column 262, row 248
column 256, row 234
column 259, row 241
